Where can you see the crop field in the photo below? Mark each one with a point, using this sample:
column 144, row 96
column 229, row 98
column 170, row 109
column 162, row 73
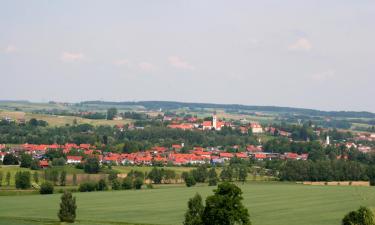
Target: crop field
column 268, row 203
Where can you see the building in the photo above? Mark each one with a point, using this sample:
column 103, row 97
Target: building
column 256, row 128
column 213, row 125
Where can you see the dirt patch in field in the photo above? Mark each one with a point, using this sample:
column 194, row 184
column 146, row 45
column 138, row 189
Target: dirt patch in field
column 339, row 183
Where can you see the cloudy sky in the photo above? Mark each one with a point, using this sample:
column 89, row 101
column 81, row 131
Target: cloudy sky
column 315, row 54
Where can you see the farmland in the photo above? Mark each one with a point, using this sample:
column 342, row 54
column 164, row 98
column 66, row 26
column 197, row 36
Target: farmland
column 268, row 203
column 54, row 120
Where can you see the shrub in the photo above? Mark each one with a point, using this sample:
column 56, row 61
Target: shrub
column 67, row 212
column 127, row 183
column 87, row 186
column 116, row 185
column 102, row 185
column 23, row 180
column 138, row 182
column 46, row 188
column 190, row 181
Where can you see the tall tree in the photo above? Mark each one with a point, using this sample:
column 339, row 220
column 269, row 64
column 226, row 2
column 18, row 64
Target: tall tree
column 63, row 178
column 1, row 178
column 36, row 177
column 225, row 207
column 212, row 177
column 22, row 180
column 7, row 178
column 92, row 165
column 67, row 212
column 26, row 160
column 242, row 174
column 111, row 113
column 193, row 215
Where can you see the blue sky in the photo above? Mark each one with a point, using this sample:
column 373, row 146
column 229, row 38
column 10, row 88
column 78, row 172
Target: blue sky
column 313, row 54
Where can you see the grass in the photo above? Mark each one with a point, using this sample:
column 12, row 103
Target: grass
column 268, row 203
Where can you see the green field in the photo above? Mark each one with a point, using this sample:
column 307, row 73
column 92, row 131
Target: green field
column 268, row 203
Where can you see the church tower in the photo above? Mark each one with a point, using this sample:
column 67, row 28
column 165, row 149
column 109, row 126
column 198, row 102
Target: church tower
column 214, row 120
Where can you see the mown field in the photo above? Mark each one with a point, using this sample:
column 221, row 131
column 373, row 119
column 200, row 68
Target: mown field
column 268, row 203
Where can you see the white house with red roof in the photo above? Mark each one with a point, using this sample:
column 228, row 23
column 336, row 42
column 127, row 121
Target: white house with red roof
column 72, row 159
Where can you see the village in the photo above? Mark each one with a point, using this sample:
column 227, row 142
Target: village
column 172, row 155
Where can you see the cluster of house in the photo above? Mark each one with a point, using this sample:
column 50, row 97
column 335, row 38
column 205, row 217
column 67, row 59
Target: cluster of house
column 214, row 124
column 156, row 155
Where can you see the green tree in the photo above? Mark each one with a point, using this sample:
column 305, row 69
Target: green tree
column 67, row 212
column 102, row 185
column 155, row 175
column 7, row 178
column 116, row 185
column 35, row 164
column 200, row 174
column 127, row 183
column 363, row 216
column 212, row 177
column 225, row 207
column 22, row 180
column 10, row 159
column 74, row 179
column 138, row 182
column 36, row 177
column 193, row 215
column 63, row 178
column 46, row 188
column 112, row 176
column 227, row 174
column 54, row 176
column 242, row 174
column 92, row 165
column 26, row 160
column 189, row 179
column 111, row 113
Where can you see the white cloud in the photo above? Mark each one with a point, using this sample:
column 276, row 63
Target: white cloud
column 177, row 62
column 323, row 76
column 72, row 56
column 10, row 49
column 302, row 44
column 122, row 62
column 146, row 66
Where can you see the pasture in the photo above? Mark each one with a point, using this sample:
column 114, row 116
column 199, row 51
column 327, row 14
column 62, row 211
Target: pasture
column 269, row 203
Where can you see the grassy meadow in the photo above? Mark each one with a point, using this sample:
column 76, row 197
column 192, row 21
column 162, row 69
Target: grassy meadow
column 269, row 203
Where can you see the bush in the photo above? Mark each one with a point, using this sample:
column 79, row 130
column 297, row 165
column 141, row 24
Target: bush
column 102, row 185
column 116, row 185
column 46, row 188
column 138, row 182
column 190, row 181
column 87, row 186
column 23, row 180
column 127, row 183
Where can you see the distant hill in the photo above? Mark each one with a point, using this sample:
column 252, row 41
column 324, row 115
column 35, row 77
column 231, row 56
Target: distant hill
column 169, row 105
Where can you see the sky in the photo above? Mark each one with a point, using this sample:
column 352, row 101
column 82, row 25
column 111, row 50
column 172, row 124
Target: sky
column 311, row 54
